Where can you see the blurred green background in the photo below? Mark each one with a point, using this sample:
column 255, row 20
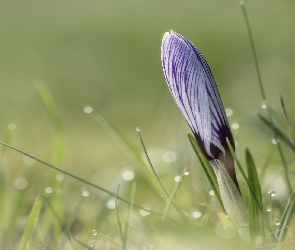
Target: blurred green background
column 106, row 54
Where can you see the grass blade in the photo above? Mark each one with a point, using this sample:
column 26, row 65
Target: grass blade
column 8, row 136
column 255, row 200
column 285, row 136
column 180, row 212
column 32, row 221
column 172, row 196
column 209, row 172
column 287, row 216
column 128, row 147
column 128, row 217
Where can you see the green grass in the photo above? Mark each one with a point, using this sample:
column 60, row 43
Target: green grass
column 85, row 53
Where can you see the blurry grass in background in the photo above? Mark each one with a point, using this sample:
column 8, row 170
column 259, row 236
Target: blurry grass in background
column 107, row 54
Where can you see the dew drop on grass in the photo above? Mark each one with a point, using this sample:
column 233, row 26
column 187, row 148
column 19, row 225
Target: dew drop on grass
column 59, row 177
column 144, row 212
column 177, row 178
column 186, row 173
column 271, row 193
column 88, row 109
column 48, row 190
column 263, row 106
column 85, row 193
column 21, row 183
column 229, row 112
column 277, row 222
column 196, row 214
column 268, row 209
column 28, row 161
column 128, row 175
column 274, row 141
column 137, row 129
column 169, row 156
column 211, row 192
column 235, row 125
column 92, row 244
column 94, row 232
column 111, row 204
column 11, row 126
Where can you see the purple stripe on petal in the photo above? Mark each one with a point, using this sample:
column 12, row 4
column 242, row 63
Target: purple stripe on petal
column 194, row 90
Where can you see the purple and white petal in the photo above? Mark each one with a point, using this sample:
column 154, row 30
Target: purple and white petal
column 194, row 90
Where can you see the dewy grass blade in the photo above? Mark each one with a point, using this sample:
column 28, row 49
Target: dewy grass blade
column 255, row 209
column 287, row 216
column 59, row 148
column 207, row 168
column 79, row 179
column 281, row 134
column 111, row 240
column 172, row 196
column 250, row 188
column 32, row 221
column 180, row 212
column 127, row 146
column 284, row 163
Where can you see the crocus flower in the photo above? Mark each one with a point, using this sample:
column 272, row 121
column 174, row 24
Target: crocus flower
column 194, row 90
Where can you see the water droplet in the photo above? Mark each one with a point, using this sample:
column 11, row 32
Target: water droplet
column 85, row 193
column 59, row 177
column 144, row 212
column 88, row 109
column 94, row 232
column 92, row 244
column 111, row 204
column 268, row 208
column 177, row 178
column 11, row 126
column 48, row 190
column 263, row 106
column 274, row 141
column 271, row 193
column 137, row 129
column 186, row 173
column 229, row 112
column 277, row 222
column 128, row 175
column 21, row 183
column 211, row 192
column 28, row 161
column 235, row 125
column 169, row 156
column 196, row 214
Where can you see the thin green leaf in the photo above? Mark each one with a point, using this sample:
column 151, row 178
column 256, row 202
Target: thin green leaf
column 250, row 188
column 118, row 216
column 79, row 179
column 255, row 199
column 51, row 110
column 8, row 136
column 127, row 146
column 180, row 212
column 172, row 196
column 209, row 172
column 287, row 216
column 282, row 134
column 32, row 221
column 110, row 240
